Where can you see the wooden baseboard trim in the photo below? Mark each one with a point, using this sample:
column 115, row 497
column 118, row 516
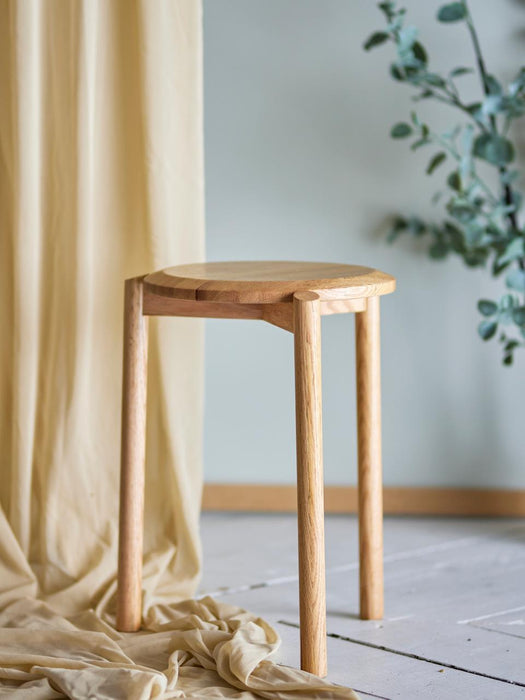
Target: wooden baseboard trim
column 343, row 499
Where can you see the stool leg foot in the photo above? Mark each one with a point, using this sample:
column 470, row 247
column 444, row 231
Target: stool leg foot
column 133, row 451
column 370, row 488
column 310, row 506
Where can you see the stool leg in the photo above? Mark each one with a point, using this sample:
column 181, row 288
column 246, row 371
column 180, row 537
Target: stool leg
column 310, row 506
column 133, row 451
column 370, row 489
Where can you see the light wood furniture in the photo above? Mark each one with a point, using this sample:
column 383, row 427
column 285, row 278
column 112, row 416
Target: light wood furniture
column 293, row 296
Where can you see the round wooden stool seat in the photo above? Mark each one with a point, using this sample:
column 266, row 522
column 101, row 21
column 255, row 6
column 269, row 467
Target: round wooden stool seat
column 267, row 282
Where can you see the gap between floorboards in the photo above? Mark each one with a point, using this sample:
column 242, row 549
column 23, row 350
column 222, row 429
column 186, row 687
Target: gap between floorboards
column 409, row 655
column 354, row 566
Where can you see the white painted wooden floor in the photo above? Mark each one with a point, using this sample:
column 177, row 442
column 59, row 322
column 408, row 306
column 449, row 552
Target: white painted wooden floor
column 454, row 622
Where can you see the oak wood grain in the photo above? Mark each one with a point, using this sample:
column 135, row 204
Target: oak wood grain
column 279, row 313
column 370, row 494
column 133, row 452
column 310, row 511
column 251, row 282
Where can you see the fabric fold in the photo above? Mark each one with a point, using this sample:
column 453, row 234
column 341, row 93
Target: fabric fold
column 192, row 649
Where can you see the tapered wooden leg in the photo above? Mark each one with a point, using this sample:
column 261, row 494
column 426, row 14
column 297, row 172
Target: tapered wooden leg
column 133, row 451
column 310, row 506
column 370, row 487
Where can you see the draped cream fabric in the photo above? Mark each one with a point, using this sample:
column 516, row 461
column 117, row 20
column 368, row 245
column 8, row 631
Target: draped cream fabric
column 101, row 179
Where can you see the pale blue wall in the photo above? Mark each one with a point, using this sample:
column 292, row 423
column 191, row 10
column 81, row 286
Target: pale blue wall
column 299, row 165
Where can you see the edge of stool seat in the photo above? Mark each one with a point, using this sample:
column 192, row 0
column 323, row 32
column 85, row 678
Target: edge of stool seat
column 364, row 282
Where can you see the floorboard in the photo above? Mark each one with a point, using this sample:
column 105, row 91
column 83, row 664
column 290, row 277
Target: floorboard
column 380, row 674
column 454, row 606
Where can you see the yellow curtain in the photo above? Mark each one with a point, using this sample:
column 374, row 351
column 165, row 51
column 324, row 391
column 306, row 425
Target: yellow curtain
column 101, row 178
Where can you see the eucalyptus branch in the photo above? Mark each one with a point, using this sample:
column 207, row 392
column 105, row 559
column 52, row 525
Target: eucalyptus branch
column 485, row 82
column 481, row 226
column 447, row 146
column 453, row 100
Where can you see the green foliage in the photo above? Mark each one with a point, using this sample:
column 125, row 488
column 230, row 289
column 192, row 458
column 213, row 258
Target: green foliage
column 481, row 223
column 487, row 329
column 376, row 39
column 436, row 161
column 516, row 280
column 400, row 131
column 494, row 149
column 452, row 12
column 487, row 307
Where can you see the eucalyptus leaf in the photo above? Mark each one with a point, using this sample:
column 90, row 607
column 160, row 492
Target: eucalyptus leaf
column 518, row 84
column 454, row 181
column 435, row 80
column 460, row 71
column 492, row 104
column 435, row 162
column 416, row 226
column 498, row 268
column 513, row 107
column 401, row 130
column 420, row 52
column 493, row 85
column 453, row 12
column 507, row 301
column 375, row 39
column 518, row 316
column 424, row 95
column 455, row 236
column 387, row 7
column 516, row 280
column 494, row 149
column 397, row 73
column 475, row 110
column 473, row 233
column 475, row 258
column 506, row 308
column 514, row 250
column 399, row 225
column 487, row 307
column 487, row 329
column 461, row 209
column 419, row 143
column 438, row 250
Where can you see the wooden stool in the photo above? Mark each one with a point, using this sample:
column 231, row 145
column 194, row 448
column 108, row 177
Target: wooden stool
column 293, row 296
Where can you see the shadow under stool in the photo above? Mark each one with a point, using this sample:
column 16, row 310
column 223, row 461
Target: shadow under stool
column 293, row 296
